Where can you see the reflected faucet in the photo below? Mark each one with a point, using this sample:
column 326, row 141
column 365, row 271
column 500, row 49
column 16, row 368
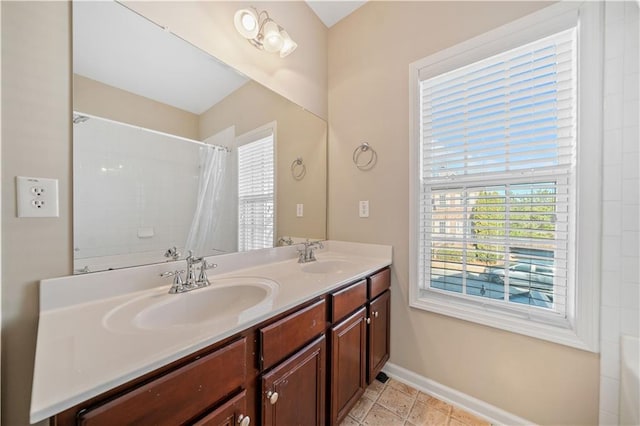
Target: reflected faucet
column 307, row 254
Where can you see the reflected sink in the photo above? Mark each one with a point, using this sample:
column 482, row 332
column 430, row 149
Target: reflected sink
column 234, row 299
column 326, row 266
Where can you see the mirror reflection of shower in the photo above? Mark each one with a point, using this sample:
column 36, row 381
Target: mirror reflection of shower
column 123, row 173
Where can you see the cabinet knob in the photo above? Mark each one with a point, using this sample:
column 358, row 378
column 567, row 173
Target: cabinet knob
column 272, row 397
column 244, row 420
column 375, row 314
column 368, row 320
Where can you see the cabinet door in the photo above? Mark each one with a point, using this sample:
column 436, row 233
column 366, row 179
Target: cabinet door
column 293, row 393
column 379, row 312
column 231, row 413
column 348, row 364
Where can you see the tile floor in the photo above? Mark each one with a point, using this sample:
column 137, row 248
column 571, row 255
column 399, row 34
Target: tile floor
column 396, row 404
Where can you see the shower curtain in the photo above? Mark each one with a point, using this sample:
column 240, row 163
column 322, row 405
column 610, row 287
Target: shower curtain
column 210, row 184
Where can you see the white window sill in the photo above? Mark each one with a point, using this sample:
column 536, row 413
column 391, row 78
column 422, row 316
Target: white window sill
column 556, row 331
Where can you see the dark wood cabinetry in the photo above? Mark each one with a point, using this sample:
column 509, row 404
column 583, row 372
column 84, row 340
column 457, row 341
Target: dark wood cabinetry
column 348, row 362
column 293, row 393
column 359, row 343
column 178, row 396
column 231, row 413
column 307, row 366
column 379, row 333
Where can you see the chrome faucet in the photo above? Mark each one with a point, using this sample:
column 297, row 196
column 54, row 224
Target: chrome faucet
column 173, row 253
column 192, row 283
column 307, row 254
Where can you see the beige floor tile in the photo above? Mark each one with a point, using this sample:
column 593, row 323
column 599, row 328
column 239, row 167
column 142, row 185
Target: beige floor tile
column 425, row 415
column 402, row 387
column 349, row 421
column 362, row 407
column 454, row 422
column 398, row 402
column 380, row 416
column 423, row 397
column 374, row 390
column 435, row 403
column 468, row 418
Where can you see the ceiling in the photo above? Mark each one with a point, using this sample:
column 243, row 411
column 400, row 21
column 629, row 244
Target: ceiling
column 140, row 58
column 115, row 46
column 332, row 11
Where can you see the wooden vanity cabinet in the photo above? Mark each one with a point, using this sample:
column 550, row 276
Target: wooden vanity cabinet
column 348, row 364
column 306, row 366
column 293, row 393
column 231, row 413
column 177, row 396
column 379, row 311
column 359, row 344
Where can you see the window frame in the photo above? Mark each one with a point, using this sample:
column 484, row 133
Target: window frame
column 581, row 329
column 262, row 132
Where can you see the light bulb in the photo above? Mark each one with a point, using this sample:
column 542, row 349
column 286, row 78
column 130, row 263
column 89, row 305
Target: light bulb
column 246, row 23
column 273, row 40
column 288, row 45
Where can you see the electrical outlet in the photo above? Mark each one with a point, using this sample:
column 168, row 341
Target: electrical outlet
column 299, row 210
column 37, row 197
column 364, row 208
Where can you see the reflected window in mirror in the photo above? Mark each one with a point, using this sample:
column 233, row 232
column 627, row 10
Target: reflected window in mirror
column 256, row 191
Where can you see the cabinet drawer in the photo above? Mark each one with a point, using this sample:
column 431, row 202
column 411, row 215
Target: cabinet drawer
column 347, row 300
column 379, row 282
column 177, row 396
column 231, row 412
column 283, row 337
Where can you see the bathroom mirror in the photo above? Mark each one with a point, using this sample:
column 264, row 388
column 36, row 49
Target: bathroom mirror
column 173, row 148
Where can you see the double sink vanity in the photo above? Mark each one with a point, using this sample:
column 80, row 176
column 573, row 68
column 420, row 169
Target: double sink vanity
column 271, row 341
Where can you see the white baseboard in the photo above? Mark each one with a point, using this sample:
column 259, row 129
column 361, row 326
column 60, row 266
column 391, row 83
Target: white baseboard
column 473, row 405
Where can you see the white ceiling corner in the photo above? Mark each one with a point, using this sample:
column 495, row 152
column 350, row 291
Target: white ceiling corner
column 332, row 11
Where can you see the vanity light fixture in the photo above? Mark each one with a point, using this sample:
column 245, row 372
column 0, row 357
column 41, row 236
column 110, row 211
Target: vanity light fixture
column 263, row 32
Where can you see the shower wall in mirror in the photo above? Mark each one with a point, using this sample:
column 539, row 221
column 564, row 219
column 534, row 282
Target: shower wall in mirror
column 158, row 127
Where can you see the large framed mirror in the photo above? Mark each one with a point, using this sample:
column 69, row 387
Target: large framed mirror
column 175, row 151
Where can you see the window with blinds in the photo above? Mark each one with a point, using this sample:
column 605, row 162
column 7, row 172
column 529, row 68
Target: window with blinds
column 497, row 177
column 256, row 194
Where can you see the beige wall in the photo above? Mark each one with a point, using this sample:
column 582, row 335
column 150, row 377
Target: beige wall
column 369, row 56
column 299, row 134
column 96, row 98
column 36, row 126
column 300, row 77
column 36, row 141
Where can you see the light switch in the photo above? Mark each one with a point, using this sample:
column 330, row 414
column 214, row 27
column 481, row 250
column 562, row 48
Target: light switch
column 299, row 210
column 37, row 197
column 364, row 208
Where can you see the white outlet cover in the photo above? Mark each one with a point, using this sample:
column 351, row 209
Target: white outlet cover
column 37, row 197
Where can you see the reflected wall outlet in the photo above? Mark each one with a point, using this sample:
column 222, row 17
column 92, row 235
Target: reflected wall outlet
column 37, row 197
column 364, row 208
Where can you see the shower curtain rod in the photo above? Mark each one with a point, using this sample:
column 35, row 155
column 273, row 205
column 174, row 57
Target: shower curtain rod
column 79, row 117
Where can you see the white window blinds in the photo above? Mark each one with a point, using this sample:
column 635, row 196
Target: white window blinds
column 498, row 149
column 256, row 194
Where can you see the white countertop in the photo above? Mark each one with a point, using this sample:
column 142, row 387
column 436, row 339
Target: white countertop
column 78, row 356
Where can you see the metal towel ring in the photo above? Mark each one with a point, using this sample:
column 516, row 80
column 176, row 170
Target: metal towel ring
column 298, row 169
column 364, row 147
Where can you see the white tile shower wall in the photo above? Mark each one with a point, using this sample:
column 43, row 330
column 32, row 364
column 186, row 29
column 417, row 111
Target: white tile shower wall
column 620, row 312
column 144, row 169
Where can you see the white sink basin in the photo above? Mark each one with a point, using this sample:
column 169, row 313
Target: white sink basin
column 326, row 266
column 236, row 299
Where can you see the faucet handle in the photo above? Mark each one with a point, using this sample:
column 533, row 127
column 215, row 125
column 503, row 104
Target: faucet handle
column 178, row 283
column 206, row 265
column 202, row 278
